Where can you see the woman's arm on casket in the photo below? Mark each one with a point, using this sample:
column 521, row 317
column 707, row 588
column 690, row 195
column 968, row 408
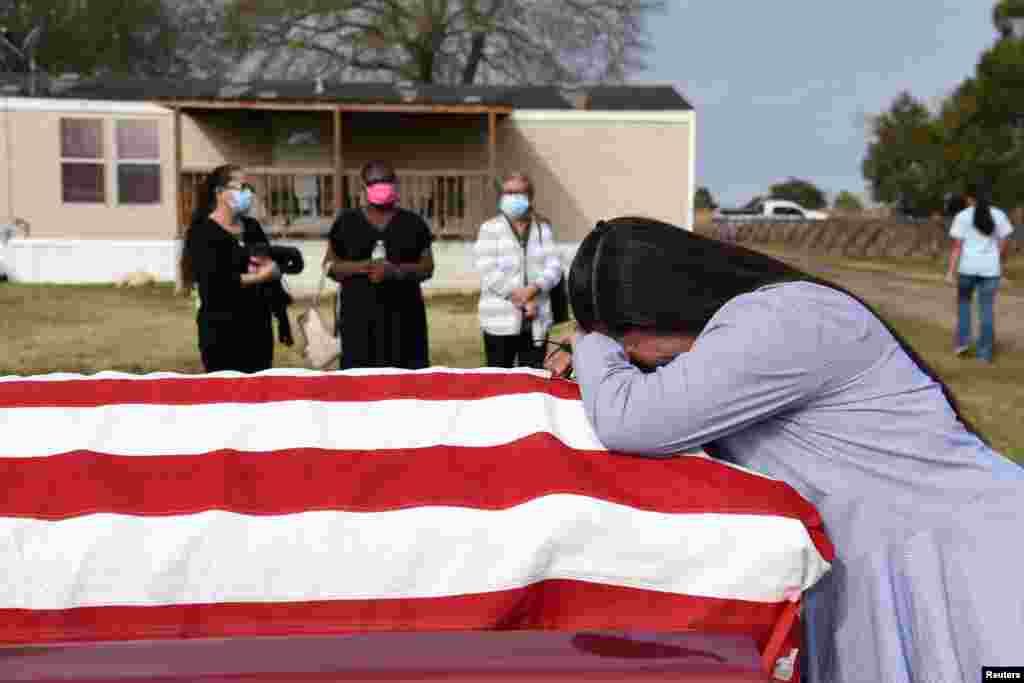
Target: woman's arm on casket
column 748, row 364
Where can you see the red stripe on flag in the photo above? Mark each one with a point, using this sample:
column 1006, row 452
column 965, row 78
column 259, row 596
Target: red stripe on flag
column 430, row 386
column 563, row 605
column 299, row 480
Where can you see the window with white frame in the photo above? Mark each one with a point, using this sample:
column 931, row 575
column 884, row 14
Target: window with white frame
column 138, row 161
column 82, row 162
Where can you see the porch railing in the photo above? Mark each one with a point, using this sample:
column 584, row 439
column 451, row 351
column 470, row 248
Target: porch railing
column 304, row 201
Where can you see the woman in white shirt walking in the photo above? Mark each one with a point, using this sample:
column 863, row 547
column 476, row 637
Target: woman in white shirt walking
column 519, row 265
column 979, row 235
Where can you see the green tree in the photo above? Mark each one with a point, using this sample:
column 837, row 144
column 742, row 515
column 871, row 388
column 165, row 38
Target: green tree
column 88, row 37
column 905, row 163
column 1005, row 10
column 803, row 192
column 847, row 201
column 443, row 41
column 985, row 121
column 914, row 157
column 703, row 199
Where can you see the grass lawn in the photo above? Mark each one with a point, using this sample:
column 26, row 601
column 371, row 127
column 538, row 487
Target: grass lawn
column 86, row 329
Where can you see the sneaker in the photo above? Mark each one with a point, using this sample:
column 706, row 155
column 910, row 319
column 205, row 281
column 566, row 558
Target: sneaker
column 961, row 350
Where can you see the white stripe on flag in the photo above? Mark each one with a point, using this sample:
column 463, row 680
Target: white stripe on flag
column 216, row 556
column 393, row 424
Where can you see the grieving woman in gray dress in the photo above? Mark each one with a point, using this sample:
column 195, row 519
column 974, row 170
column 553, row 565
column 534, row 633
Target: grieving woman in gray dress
column 686, row 342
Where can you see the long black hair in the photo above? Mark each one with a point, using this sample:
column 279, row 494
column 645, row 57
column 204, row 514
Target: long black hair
column 981, row 192
column 214, row 182
column 638, row 273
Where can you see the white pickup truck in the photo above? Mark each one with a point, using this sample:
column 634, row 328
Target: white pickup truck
column 768, row 210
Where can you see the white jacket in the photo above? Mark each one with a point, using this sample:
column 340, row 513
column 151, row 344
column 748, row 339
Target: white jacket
column 502, row 266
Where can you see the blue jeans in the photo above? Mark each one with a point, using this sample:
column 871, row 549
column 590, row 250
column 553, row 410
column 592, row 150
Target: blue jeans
column 986, row 287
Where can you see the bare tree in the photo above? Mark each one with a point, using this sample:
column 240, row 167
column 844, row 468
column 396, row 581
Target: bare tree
column 441, row 41
column 203, row 48
column 22, row 58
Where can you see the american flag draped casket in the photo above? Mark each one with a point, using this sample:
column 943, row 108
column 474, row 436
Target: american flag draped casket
column 296, row 503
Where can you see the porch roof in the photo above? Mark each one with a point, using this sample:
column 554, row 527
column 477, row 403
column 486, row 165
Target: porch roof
column 377, row 96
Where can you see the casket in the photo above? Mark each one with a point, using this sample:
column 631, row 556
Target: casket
column 378, row 525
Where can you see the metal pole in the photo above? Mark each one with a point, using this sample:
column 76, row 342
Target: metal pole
column 339, row 162
column 492, row 147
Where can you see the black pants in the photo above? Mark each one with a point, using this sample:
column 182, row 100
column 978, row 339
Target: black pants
column 509, row 351
column 385, row 338
column 240, row 345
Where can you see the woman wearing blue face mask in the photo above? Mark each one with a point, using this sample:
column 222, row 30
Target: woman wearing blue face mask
column 519, row 265
column 234, row 318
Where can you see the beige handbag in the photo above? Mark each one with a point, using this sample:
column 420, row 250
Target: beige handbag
column 320, row 348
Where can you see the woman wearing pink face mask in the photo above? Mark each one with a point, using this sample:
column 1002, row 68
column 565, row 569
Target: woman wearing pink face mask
column 385, row 321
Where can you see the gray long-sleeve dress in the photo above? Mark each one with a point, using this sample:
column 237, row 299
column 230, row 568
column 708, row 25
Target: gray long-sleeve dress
column 800, row 382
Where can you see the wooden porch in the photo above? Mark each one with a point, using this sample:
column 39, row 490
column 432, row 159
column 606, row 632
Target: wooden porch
column 303, row 202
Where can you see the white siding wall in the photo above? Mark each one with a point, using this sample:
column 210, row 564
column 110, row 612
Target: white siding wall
column 86, row 261
column 105, row 261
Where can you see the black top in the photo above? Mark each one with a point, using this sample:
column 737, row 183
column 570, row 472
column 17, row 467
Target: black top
column 218, row 261
column 382, row 324
column 406, row 237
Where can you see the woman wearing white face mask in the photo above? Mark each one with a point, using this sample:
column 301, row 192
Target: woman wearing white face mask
column 519, row 265
column 234, row 318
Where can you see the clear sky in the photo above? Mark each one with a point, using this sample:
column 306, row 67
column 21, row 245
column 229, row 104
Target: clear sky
column 780, row 88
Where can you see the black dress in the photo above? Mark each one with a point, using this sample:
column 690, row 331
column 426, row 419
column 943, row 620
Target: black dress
column 382, row 324
column 235, row 330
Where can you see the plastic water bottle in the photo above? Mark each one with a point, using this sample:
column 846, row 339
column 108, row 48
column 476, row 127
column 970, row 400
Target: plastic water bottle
column 379, row 252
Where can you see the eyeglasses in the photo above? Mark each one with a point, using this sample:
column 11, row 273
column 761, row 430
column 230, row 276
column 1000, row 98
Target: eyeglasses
column 240, row 186
column 560, row 346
